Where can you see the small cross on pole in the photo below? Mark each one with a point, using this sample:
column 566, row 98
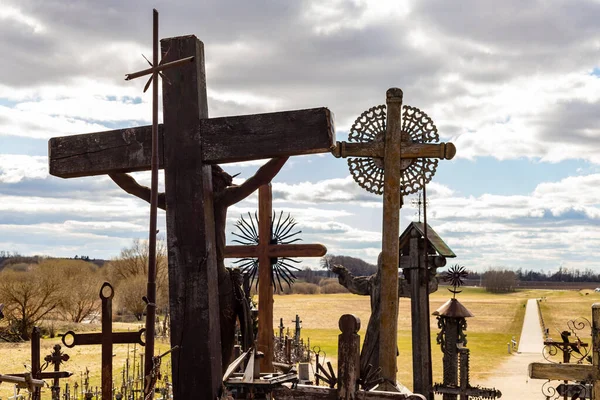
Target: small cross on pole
column 155, row 69
column 266, row 252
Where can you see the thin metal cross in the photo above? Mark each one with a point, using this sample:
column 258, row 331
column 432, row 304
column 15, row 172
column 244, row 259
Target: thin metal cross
column 154, row 70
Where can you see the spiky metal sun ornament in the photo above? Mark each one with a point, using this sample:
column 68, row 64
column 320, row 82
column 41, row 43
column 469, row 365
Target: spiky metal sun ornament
column 455, row 276
column 282, row 232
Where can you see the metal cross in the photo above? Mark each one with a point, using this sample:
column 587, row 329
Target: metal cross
column 153, row 71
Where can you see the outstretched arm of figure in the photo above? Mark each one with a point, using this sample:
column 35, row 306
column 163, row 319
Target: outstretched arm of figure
column 264, row 175
column 130, row 185
column 355, row 284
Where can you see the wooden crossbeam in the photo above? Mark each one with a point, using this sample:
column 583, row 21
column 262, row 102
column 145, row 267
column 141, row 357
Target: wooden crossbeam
column 567, row 372
column 222, row 140
column 265, row 251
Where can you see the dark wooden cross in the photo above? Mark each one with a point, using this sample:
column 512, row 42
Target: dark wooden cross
column 566, row 346
column 194, row 142
column 576, row 372
column 266, row 252
column 107, row 338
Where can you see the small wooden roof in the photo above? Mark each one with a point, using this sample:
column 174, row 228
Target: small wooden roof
column 434, row 239
column 453, row 309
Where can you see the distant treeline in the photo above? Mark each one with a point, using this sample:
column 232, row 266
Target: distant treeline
column 562, row 275
column 14, row 259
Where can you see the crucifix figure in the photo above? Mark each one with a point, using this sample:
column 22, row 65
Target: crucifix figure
column 371, row 286
column 391, row 153
column 188, row 144
column 225, row 194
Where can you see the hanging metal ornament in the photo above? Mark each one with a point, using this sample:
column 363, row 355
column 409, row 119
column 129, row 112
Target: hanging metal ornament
column 370, row 127
column 282, row 232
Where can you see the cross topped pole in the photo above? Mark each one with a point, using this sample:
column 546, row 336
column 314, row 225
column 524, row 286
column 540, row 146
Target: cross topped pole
column 154, row 71
column 388, row 141
column 267, row 252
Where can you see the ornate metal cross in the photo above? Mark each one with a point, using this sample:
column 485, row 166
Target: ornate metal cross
column 392, row 154
column 267, row 252
column 576, row 372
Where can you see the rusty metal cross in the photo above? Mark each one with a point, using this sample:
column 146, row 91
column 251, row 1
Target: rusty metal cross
column 107, row 338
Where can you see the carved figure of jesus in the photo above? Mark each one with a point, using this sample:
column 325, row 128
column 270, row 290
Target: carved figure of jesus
column 225, row 194
column 371, row 286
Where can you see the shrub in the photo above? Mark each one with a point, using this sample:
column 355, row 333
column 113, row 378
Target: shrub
column 304, row 288
column 333, row 287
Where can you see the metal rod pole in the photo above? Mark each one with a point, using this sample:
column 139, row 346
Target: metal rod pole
column 151, row 288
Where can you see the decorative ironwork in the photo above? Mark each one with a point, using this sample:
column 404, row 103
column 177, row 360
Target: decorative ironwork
column 455, row 275
column 575, row 351
column 282, row 232
column 370, row 127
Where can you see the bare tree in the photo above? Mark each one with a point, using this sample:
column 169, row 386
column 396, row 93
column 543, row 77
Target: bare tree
column 79, row 289
column 133, row 262
column 28, row 297
column 500, row 281
column 129, row 295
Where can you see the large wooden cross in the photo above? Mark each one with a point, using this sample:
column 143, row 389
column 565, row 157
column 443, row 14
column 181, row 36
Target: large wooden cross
column 188, row 143
column 390, row 152
column 576, row 372
column 266, row 252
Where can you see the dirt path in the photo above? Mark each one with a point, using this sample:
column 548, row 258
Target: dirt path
column 511, row 376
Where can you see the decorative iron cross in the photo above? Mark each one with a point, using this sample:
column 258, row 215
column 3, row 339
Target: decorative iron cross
column 392, row 154
column 266, row 251
column 576, row 372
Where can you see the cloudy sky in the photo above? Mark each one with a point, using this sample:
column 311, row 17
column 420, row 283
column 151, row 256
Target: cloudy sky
column 515, row 85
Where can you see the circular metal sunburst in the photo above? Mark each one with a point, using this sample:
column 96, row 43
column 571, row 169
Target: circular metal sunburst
column 282, row 232
column 455, row 276
column 370, row 126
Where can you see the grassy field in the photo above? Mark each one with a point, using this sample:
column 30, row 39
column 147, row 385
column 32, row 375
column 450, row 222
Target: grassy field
column 559, row 307
column 498, row 317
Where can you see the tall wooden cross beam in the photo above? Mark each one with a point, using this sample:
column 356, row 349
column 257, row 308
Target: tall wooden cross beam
column 266, row 252
column 388, row 148
column 576, row 372
column 188, row 143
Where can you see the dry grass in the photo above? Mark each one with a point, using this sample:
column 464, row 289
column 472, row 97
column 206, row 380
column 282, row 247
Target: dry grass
column 559, row 307
column 13, row 357
column 497, row 319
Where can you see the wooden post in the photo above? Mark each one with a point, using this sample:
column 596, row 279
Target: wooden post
column 392, row 202
column 348, row 357
column 36, row 368
column 193, row 292
column 419, row 301
column 265, row 284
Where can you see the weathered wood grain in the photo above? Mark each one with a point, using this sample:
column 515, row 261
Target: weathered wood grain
column 223, row 140
column 569, row 372
column 277, row 250
column 265, row 282
column 193, row 289
column 251, row 137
